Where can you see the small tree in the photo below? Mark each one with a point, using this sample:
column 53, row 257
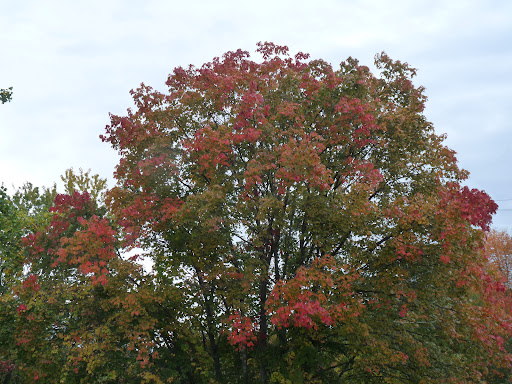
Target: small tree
column 6, row 95
column 498, row 248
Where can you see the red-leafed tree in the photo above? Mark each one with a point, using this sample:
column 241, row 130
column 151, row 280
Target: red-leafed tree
column 306, row 224
column 80, row 311
column 314, row 222
column 498, row 250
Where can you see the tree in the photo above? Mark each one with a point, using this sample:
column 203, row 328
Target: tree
column 313, row 221
column 498, row 248
column 11, row 233
column 25, row 212
column 6, row 95
column 306, row 225
column 33, row 205
column 11, row 262
column 73, row 322
column 28, row 213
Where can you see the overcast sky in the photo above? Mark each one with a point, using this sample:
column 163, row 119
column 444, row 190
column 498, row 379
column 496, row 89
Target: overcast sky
column 72, row 62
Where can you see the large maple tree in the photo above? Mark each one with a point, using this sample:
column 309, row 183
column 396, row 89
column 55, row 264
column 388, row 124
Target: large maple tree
column 305, row 224
column 313, row 218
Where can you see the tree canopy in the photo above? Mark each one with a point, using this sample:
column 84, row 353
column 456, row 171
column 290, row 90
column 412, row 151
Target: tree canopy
column 498, row 248
column 306, row 225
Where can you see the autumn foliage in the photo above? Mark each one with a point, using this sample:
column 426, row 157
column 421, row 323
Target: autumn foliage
column 305, row 224
column 498, row 248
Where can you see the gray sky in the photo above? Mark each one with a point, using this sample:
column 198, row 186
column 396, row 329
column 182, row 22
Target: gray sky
column 73, row 62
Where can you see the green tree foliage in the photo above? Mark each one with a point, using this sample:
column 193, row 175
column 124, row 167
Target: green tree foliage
column 6, row 95
column 33, row 204
column 10, row 240
column 11, row 262
column 27, row 211
column 84, row 182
